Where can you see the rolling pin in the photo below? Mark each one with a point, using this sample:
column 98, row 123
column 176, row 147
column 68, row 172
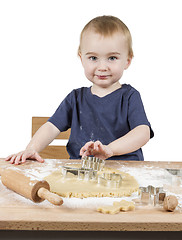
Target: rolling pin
column 29, row 187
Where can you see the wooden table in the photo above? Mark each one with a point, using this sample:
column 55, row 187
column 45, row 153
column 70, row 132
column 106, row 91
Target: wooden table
column 64, row 219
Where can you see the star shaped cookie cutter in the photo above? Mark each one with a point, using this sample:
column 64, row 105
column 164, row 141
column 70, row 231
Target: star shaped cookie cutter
column 152, row 195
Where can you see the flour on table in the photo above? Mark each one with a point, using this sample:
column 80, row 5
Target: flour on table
column 145, row 176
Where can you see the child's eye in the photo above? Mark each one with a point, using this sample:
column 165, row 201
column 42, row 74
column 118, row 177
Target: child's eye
column 112, row 58
column 93, row 58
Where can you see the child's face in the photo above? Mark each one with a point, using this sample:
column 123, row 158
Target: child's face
column 104, row 59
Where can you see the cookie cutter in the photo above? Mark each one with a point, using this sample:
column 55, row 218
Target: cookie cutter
column 94, row 163
column 176, row 172
column 152, row 195
column 89, row 171
column 110, row 179
column 175, row 176
column 82, row 173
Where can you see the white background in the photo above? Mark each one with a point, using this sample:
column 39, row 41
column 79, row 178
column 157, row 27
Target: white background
column 39, row 64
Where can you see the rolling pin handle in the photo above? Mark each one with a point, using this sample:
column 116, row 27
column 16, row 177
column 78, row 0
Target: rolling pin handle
column 51, row 197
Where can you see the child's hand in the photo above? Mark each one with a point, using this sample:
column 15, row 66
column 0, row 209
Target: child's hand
column 96, row 149
column 21, row 157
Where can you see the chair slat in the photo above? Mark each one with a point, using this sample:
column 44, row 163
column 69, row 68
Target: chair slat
column 37, row 122
column 51, row 152
column 55, row 152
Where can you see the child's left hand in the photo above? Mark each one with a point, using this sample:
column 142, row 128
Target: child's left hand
column 96, row 149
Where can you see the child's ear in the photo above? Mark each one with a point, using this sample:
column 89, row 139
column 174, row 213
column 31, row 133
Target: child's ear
column 80, row 56
column 128, row 62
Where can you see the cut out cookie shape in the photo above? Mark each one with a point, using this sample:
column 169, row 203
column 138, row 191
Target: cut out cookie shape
column 123, row 205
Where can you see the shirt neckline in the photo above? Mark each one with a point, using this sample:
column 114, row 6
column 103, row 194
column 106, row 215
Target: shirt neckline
column 108, row 95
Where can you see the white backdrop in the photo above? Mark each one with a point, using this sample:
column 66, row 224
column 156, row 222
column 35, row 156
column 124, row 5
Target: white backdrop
column 39, row 64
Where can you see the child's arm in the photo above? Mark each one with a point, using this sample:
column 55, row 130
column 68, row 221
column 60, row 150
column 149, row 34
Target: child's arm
column 45, row 135
column 132, row 141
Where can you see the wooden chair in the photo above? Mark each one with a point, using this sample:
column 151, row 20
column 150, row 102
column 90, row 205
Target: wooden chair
column 51, row 152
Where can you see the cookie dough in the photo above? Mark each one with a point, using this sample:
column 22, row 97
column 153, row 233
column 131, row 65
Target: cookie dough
column 123, row 205
column 71, row 186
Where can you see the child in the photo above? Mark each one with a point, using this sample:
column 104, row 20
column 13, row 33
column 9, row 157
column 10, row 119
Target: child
column 108, row 119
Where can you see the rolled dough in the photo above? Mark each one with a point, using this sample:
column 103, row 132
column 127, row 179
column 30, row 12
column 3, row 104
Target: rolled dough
column 71, row 186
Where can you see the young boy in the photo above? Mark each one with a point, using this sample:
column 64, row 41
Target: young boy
column 108, row 119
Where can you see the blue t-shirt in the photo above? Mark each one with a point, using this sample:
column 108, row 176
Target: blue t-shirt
column 107, row 118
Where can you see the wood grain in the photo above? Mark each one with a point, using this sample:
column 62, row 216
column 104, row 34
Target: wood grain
column 62, row 218
column 37, row 122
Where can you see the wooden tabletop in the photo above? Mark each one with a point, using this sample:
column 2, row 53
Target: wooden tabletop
column 46, row 217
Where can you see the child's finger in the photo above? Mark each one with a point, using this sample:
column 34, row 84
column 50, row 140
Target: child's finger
column 17, row 159
column 12, row 159
column 38, row 158
column 9, row 157
column 86, row 153
column 24, row 157
column 82, row 150
column 98, row 146
column 86, row 147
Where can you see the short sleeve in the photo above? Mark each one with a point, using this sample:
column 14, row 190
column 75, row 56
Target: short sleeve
column 136, row 112
column 62, row 117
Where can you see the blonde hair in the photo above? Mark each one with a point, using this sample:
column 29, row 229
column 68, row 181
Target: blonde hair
column 107, row 26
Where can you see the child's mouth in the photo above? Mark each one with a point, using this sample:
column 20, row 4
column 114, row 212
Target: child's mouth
column 102, row 76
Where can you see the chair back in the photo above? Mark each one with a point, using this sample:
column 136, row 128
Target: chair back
column 51, row 151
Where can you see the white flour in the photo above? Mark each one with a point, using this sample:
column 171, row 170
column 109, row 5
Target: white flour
column 144, row 175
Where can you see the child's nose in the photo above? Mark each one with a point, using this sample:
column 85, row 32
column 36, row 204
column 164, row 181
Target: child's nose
column 102, row 66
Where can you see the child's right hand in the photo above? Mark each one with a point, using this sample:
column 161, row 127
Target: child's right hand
column 21, row 157
column 97, row 149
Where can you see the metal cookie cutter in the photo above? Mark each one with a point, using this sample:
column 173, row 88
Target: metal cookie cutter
column 110, row 180
column 176, row 172
column 81, row 173
column 152, row 195
column 94, row 163
column 89, row 170
column 175, row 176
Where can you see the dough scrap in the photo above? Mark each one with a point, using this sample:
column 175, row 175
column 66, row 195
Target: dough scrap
column 71, row 186
column 123, row 205
column 109, row 209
